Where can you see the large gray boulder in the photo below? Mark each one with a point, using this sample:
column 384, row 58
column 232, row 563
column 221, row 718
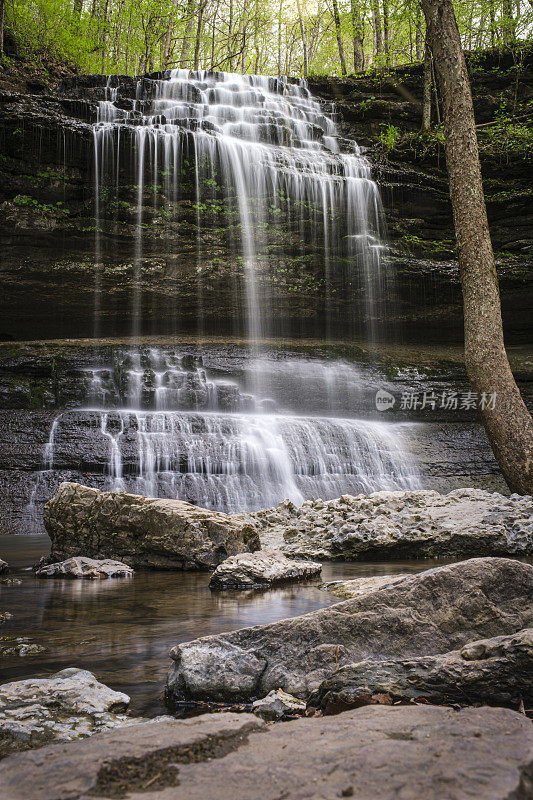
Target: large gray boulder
column 496, row 671
column 411, row 524
column 71, row 704
column 373, row 753
column 261, row 569
column 82, row 567
column 142, row 532
column 435, row 611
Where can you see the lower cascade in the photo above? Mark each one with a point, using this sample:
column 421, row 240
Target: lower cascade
column 212, row 443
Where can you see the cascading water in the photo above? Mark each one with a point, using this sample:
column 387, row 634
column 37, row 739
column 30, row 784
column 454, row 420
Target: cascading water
column 260, row 150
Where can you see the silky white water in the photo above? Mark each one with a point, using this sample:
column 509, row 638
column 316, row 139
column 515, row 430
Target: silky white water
column 266, row 157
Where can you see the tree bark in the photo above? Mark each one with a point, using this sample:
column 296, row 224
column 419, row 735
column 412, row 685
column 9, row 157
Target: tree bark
column 426, row 93
column 508, row 425
column 2, row 17
column 378, row 36
column 508, row 23
column 358, row 36
column 186, row 44
column 304, row 39
column 338, row 32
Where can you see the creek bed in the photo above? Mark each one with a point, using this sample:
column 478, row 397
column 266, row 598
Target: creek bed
column 123, row 628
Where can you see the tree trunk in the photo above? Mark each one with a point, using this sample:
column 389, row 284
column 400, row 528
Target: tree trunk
column 426, row 94
column 508, row 23
column 338, row 32
column 198, row 37
column 2, row 17
column 376, row 22
column 508, row 424
column 386, row 31
column 186, row 44
column 358, row 38
column 304, row 39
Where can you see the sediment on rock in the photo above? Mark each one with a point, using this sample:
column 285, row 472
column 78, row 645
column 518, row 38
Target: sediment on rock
column 435, row 611
column 142, row 532
column 496, row 672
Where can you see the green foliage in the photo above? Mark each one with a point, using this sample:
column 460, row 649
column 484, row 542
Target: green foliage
column 389, row 137
column 25, row 201
column 252, row 36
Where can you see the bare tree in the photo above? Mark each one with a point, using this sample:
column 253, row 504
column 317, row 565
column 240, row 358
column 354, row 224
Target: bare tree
column 358, row 37
column 508, row 423
column 338, row 33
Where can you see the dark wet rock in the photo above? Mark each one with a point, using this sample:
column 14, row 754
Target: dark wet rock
column 435, row 611
column 143, row 532
column 81, row 567
column 5, row 616
column 386, row 752
column 411, row 524
column 276, row 705
column 261, row 569
column 71, row 704
column 496, row 672
column 4, row 566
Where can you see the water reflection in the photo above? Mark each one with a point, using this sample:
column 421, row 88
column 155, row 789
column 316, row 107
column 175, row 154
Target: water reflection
column 123, row 629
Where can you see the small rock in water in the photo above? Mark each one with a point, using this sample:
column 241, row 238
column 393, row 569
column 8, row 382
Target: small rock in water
column 11, row 581
column 19, row 646
column 278, row 704
column 81, row 567
column 4, row 616
column 4, row 566
column 68, row 705
column 260, row 569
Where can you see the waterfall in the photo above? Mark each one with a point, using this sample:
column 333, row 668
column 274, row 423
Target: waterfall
column 260, row 153
column 265, row 154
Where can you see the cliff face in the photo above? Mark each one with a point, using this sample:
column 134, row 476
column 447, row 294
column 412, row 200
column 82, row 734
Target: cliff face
column 48, row 224
column 383, row 113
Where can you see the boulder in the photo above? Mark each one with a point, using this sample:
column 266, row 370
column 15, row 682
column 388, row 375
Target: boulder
column 81, row 567
column 408, row 752
column 496, row 672
column 71, row 704
column 4, row 566
column 142, row 532
column 411, row 524
column 276, row 705
column 261, row 569
column 432, row 612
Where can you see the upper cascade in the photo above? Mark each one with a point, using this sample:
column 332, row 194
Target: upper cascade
column 264, row 155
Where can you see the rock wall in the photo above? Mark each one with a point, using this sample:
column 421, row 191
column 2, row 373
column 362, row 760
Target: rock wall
column 48, row 220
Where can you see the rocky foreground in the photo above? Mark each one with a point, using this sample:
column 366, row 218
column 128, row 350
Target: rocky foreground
column 413, row 524
column 387, row 752
column 170, row 534
column 434, row 612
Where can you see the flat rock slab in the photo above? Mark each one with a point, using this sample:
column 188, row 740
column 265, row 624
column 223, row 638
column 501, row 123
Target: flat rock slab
column 69, row 705
column 374, row 752
column 261, row 569
column 411, row 524
column 142, row 532
column 496, row 672
column 82, row 567
column 357, row 587
column 435, row 611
